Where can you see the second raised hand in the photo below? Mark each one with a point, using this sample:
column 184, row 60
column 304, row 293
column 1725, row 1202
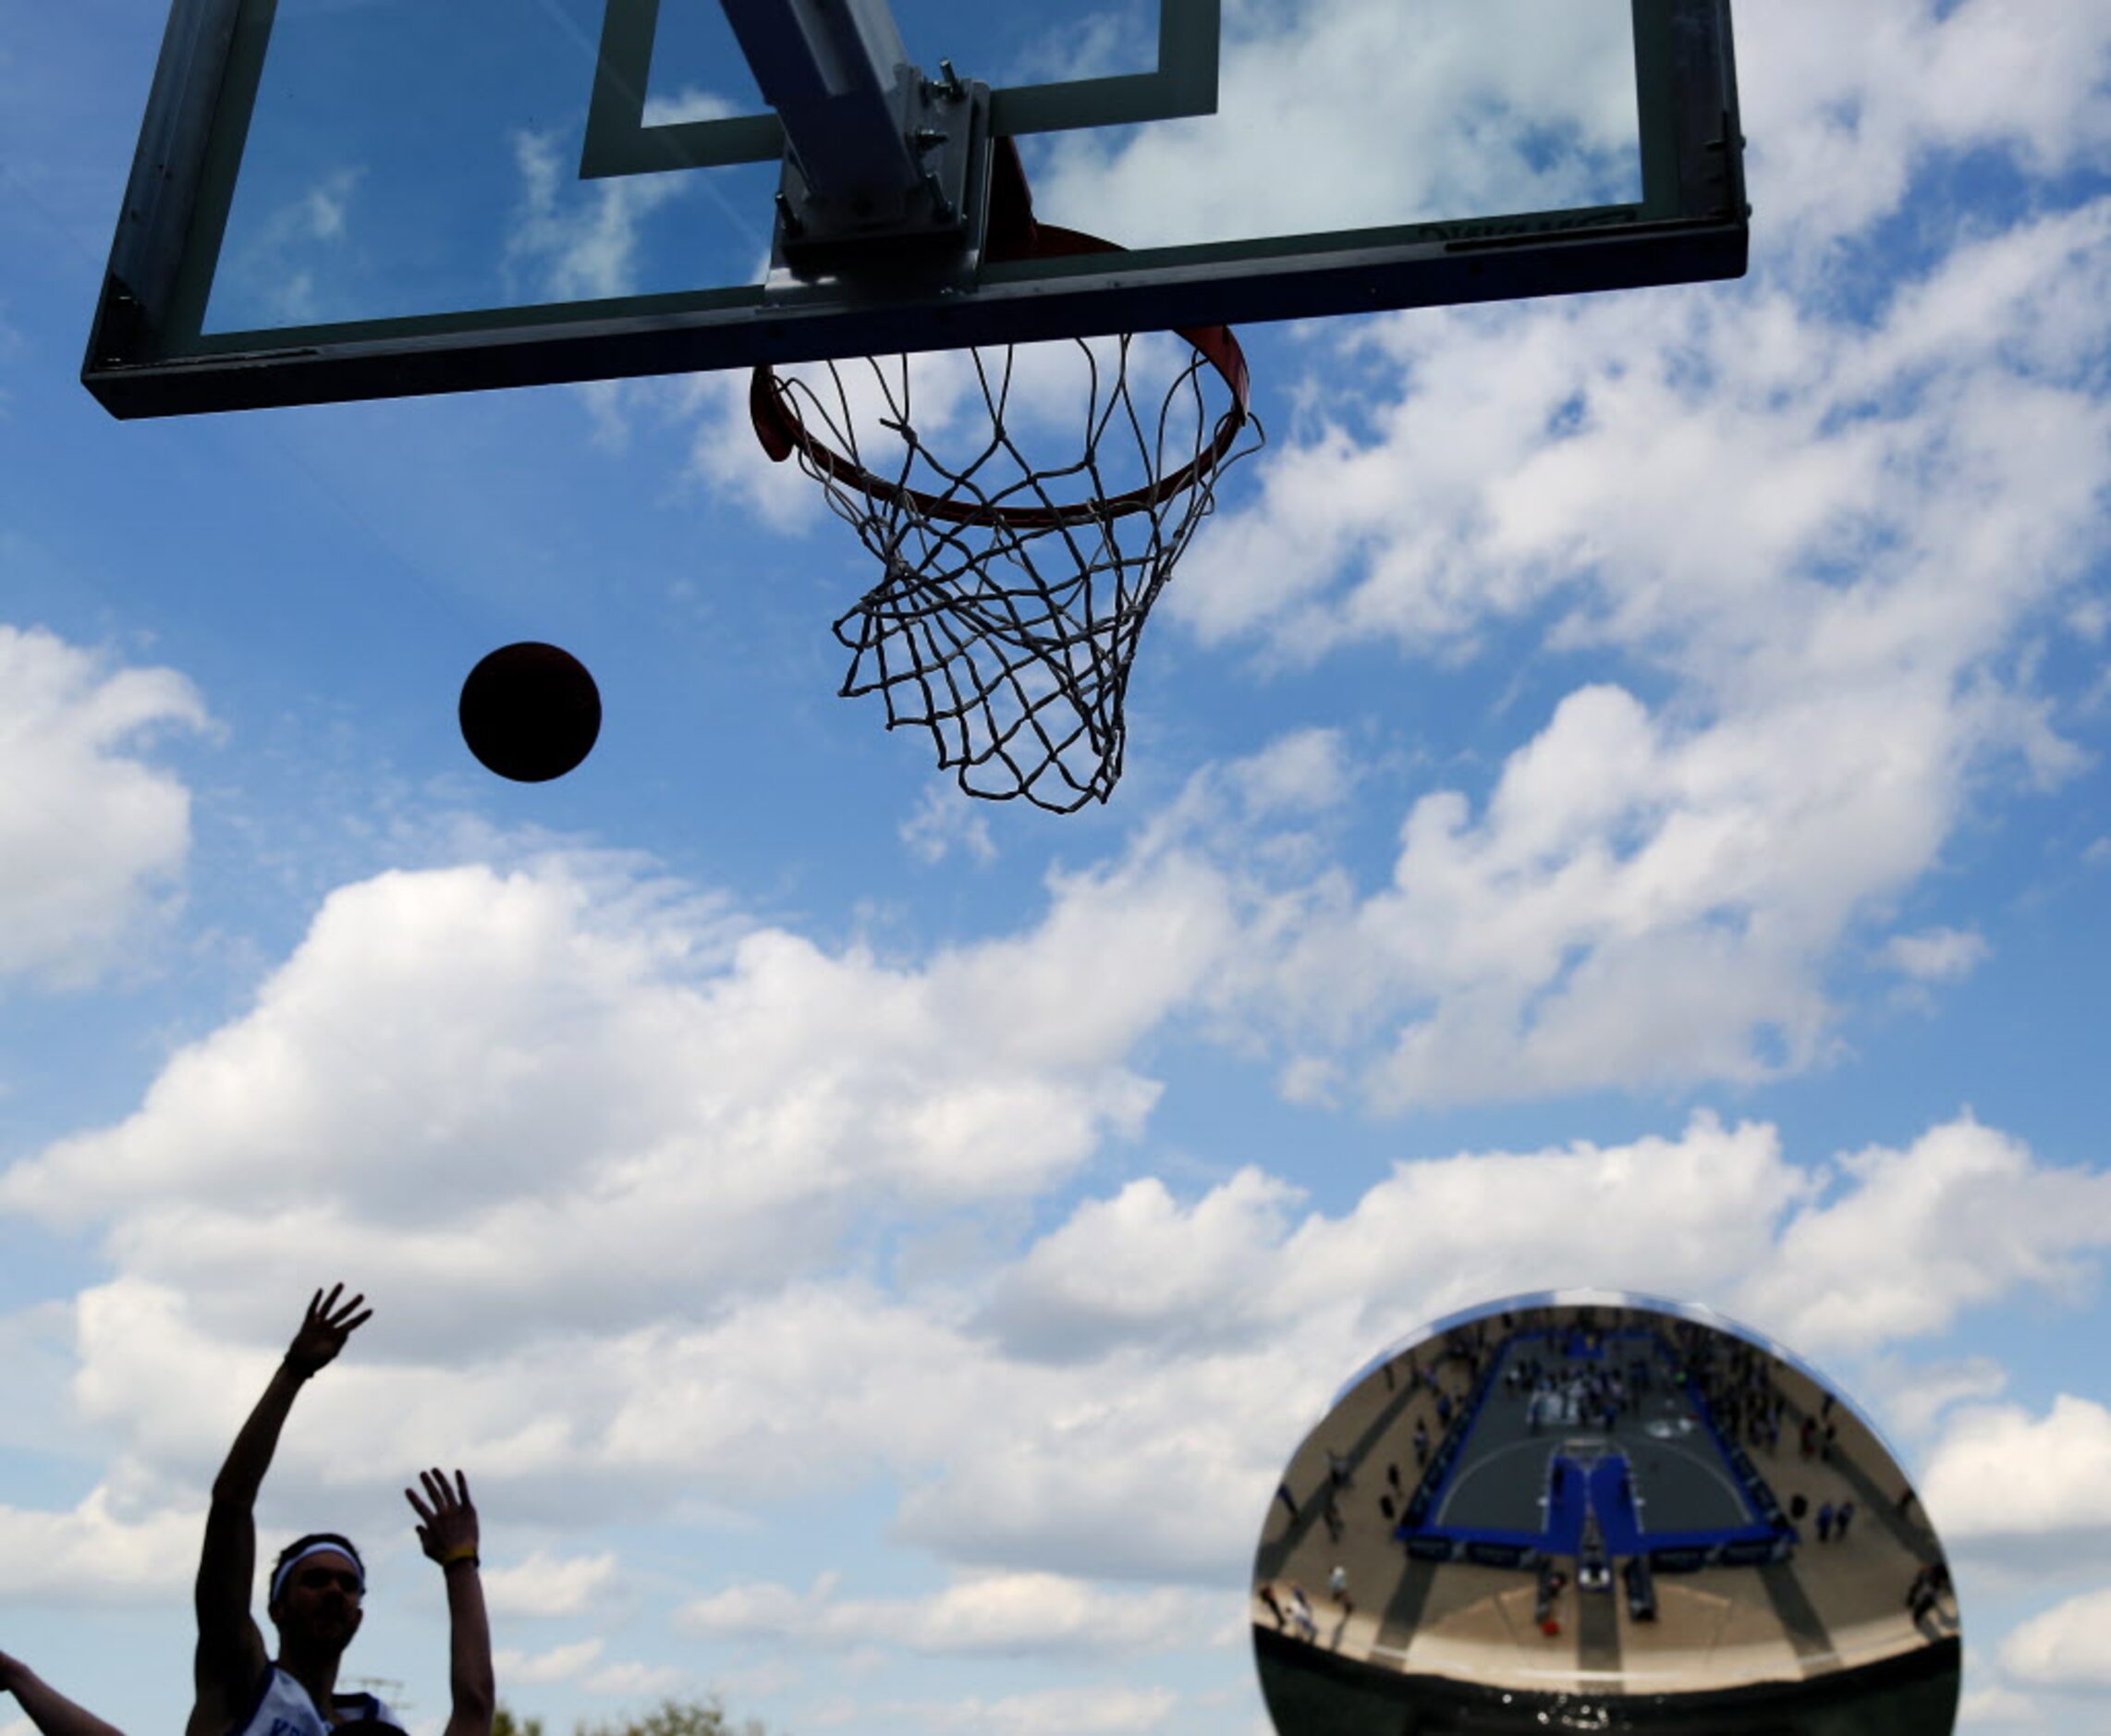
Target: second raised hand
column 448, row 1530
column 324, row 1330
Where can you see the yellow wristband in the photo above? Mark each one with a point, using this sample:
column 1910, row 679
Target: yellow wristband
column 466, row 1553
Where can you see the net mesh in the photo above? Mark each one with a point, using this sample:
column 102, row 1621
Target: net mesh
column 1013, row 592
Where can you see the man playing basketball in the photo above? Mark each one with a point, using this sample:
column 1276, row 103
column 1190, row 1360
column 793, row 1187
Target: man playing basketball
column 319, row 1583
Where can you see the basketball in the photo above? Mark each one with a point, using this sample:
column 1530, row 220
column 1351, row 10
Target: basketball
column 530, row 712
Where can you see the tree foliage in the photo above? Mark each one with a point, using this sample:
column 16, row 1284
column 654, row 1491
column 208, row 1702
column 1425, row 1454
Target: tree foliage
column 670, row 1717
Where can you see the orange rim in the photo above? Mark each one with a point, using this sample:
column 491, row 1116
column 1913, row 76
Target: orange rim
column 781, row 432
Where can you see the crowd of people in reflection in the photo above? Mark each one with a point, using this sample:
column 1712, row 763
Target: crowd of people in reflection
column 1592, row 1395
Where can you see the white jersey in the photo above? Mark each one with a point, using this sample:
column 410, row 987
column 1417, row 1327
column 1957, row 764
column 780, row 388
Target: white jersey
column 282, row 1707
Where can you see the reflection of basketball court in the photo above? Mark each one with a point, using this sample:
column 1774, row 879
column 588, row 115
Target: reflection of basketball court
column 1613, row 1514
column 1637, row 1458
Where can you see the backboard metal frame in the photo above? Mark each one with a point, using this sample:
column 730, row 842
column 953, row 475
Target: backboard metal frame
column 149, row 356
column 618, row 140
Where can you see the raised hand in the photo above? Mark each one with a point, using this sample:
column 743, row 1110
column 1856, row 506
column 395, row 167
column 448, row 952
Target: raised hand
column 447, row 1531
column 323, row 1332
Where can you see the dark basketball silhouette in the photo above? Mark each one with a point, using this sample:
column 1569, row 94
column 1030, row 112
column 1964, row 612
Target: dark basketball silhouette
column 530, row 712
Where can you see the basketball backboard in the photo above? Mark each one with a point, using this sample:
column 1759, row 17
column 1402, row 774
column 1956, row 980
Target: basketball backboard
column 343, row 199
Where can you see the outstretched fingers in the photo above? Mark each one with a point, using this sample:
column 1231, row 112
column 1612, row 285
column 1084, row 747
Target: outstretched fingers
column 347, row 1318
column 331, row 1318
column 446, row 1516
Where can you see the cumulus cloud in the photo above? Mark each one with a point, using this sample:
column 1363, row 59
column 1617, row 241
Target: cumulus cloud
column 1879, row 1247
column 560, row 1663
column 1471, row 126
column 544, row 1584
column 101, row 1550
column 600, row 1151
column 1913, row 1395
column 1004, row 1614
column 2064, row 1646
column 1719, row 1213
column 1937, row 955
column 1804, row 533
column 1917, row 1236
column 92, row 837
column 579, row 243
column 1856, row 106
column 1828, row 538
column 1144, row 1265
column 1745, row 486
column 1091, row 1711
column 1635, row 904
column 943, row 824
column 690, row 102
column 470, row 1072
column 2001, row 1475
column 1116, row 1403
column 633, row 1678
column 1994, row 1706
column 284, row 269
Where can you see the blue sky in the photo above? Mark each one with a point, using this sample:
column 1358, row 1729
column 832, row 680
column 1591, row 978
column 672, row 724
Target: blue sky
column 1614, row 797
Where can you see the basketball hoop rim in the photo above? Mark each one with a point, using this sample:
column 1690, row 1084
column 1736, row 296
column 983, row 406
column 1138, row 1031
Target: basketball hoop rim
column 781, row 432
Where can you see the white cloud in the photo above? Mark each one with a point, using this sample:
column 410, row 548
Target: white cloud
column 690, row 102
column 1718, row 1214
column 1825, row 524
column 1003, row 1614
column 944, row 823
column 475, row 1078
column 1988, row 1708
column 100, row 1551
column 1324, row 82
column 1916, row 1237
column 630, row 1677
column 1913, row 1395
column 1635, row 905
column 591, row 1145
column 560, row 1663
column 1142, row 1265
column 1999, row 1474
column 1821, row 531
column 1827, row 521
column 92, row 837
column 2064, row 1646
column 1091, row 1711
column 1937, row 955
column 1117, row 1405
column 284, row 269
column 573, row 241
column 726, row 458
column 549, row 1586
column 1308, row 771
column 1844, row 107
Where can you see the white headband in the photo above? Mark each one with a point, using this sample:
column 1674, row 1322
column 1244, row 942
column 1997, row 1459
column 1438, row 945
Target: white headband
column 286, row 1567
